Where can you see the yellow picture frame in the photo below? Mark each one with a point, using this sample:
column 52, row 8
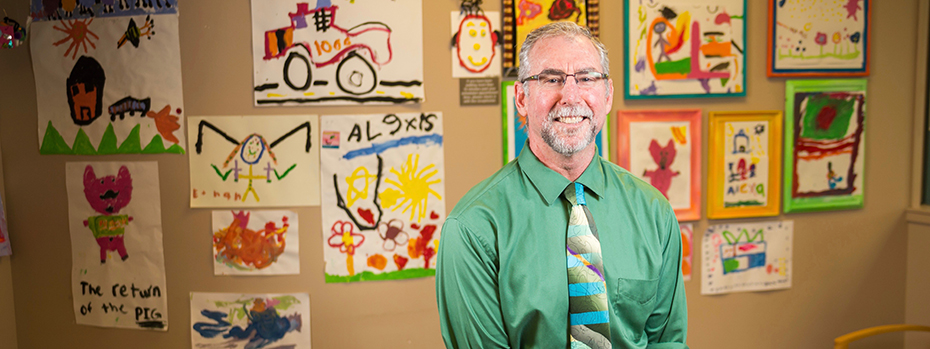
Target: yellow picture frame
column 744, row 164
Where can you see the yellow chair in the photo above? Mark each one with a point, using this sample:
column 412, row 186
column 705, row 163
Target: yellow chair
column 842, row 342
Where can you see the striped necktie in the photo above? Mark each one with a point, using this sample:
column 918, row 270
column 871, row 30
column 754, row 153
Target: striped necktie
column 587, row 292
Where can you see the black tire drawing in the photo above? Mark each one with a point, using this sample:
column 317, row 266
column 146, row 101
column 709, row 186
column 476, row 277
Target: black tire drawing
column 355, row 75
column 287, row 71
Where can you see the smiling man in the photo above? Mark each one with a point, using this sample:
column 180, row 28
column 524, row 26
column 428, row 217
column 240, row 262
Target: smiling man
column 561, row 248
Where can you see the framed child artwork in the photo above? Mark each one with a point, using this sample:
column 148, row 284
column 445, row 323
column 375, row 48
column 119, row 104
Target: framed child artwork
column 744, row 164
column 675, row 48
column 819, row 38
column 523, row 16
column 514, row 135
column 663, row 147
column 824, row 144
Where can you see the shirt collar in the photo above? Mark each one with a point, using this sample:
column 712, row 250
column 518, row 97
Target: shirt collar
column 550, row 184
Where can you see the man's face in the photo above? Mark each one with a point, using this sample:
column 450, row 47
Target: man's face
column 566, row 119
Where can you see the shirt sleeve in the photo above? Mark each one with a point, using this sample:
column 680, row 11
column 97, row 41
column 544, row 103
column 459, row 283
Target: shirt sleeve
column 667, row 326
column 466, row 290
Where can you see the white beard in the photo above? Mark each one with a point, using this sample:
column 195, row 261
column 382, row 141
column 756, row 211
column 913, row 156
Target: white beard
column 567, row 145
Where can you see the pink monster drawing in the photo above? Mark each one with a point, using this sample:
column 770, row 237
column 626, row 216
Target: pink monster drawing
column 661, row 178
column 852, row 6
column 108, row 195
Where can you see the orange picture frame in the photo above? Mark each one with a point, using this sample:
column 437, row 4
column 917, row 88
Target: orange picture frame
column 648, row 145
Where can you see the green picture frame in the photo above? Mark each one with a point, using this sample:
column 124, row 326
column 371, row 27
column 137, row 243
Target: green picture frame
column 824, row 158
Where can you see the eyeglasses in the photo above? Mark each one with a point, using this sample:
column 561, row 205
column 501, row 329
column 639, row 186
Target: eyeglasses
column 555, row 81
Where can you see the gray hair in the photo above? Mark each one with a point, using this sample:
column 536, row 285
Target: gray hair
column 557, row 29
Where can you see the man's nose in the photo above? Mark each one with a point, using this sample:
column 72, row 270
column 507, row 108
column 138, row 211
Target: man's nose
column 571, row 92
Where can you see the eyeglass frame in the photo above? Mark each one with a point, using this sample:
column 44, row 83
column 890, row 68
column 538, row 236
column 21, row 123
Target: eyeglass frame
column 565, row 79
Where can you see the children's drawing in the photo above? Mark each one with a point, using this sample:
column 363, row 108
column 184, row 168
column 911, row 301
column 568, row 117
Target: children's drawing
column 12, row 34
column 663, row 147
column 255, row 243
column 250, row 321
column 523, row 16
column 107, row 196
column 94, row 59
column 819, row 38
column 745, row 151
column 677, row 48
column 825, row 145
column 515, row 132
column 746, row 159
column 304, row 53
column 746, row 257
column 687, row 230
column 118, row 269
column 663, row 156
column 475, row 41
column 471, row 6
column 249, row 161
column 5, row 249
column 383, row 188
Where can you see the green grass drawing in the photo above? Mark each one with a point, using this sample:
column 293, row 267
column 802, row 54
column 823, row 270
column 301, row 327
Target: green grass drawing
column 391, row 275
column 54, row 143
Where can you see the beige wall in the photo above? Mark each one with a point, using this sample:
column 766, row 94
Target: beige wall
column 850, row 266
column 7, row 314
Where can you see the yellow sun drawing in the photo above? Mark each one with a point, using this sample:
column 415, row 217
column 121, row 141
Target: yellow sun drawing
column 413, row 188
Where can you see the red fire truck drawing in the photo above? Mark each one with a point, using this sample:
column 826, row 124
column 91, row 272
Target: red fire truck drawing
column 356, row 51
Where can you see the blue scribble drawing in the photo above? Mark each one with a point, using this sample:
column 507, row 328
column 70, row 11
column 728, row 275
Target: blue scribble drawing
column 264, row 324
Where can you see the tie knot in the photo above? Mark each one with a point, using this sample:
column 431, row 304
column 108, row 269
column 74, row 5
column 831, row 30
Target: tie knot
column 574, row 194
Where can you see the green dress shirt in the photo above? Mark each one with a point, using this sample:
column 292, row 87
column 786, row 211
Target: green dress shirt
column 501, row 276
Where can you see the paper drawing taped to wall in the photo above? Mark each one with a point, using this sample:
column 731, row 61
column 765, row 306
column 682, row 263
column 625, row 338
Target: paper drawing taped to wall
column 383, row 189
column 337, row 52
column 250, row 321
column 255, row 243
column 12, row 34
column 679, row 48
column 825, row 144
column 687, row 244
column 118, row 269
column 476, row 41
column 5, row 249
column 747, row 257
column 249, row 161
column 108, row 77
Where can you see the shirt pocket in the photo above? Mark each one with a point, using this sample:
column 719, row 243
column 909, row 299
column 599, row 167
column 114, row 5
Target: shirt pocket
column 634, row 300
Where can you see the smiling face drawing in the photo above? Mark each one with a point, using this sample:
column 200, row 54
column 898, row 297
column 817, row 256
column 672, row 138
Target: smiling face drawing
column 475, row 43
column 252, row 149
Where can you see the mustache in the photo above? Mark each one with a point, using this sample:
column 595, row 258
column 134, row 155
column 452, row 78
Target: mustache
column 109, row 195
column 572, row 110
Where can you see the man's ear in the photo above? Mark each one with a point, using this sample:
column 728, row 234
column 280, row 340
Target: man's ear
column 520, row 97
column 610, row 95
